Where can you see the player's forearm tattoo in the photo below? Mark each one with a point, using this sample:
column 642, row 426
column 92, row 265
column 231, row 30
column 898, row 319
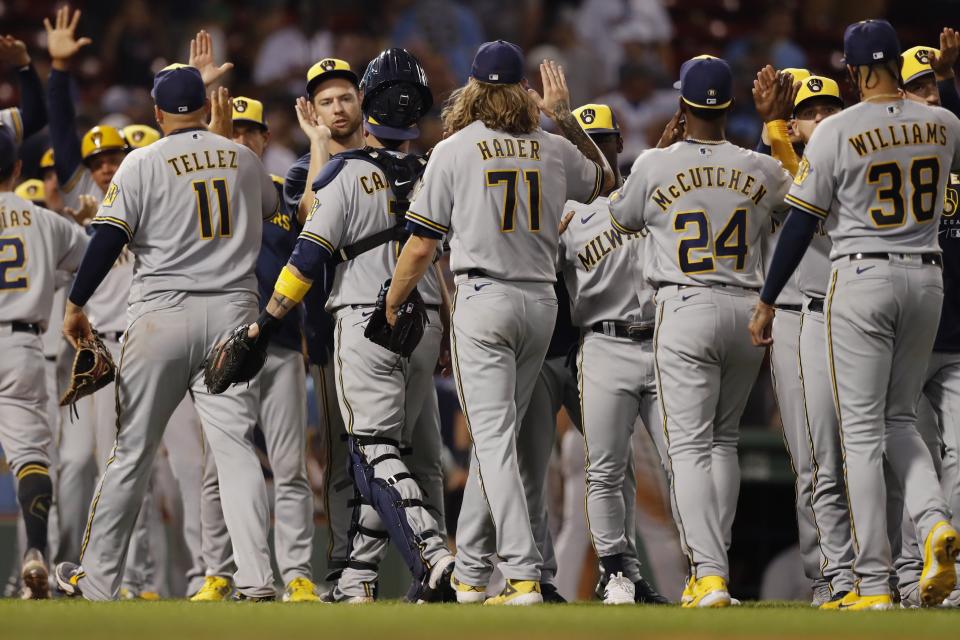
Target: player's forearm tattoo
column 280, row 305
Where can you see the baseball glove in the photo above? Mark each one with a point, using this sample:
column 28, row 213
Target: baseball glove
column 407, row 332
column 92, row 370
column 236, row 359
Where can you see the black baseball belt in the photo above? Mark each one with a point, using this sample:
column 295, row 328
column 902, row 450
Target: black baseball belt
column 925, row 258
column 25, row 327
column 638, row 332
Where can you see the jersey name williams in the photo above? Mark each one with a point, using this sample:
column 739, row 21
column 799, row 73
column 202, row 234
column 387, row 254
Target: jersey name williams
column 709, row 178
column 898, row 135
column 202, row 160
column 602, row 245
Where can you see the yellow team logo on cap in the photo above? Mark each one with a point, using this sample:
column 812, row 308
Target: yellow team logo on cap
column 596, row 118
column 100, row 139
column 916, row 62
column 248, row 110
column 817, row 87
column 46, row 162
column 140, row 135
column 31, row 190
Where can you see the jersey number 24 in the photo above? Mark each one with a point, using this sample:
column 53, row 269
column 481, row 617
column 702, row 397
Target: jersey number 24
column 731, row 242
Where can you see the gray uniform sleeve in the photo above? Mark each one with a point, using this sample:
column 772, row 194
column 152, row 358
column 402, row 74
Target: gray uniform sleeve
column 815, row 182
column 627, row 202
column 10, row 117
column 780, row 182
column 584, row 176
column 326, row 223
column 121, row 206
column 71, row 242
column 432, row 204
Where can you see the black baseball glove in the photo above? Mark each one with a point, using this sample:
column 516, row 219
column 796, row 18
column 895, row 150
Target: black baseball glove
column 236, row 359
column 407, row 332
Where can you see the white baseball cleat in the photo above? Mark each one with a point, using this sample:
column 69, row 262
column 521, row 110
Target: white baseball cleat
column 619, row 590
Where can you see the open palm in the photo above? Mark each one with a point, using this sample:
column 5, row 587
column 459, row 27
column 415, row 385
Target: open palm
column 62, row 42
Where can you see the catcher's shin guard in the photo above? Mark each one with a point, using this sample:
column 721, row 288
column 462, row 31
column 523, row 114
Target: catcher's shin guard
column 390, row 496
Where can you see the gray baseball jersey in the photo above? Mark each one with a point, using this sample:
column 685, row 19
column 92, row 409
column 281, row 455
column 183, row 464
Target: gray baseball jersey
column 877, row 173
column 707, row 206
column 11, row 117
column 500, row 198
column 80, row 183
column 354, row 205
column 227, row 190
column 813, row 274
column 34, row 244
column 603, row 268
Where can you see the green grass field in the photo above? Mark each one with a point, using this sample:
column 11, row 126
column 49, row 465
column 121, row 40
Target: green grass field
column 179, row 620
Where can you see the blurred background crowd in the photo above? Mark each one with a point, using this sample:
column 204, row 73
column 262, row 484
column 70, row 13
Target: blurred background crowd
column 624, row 53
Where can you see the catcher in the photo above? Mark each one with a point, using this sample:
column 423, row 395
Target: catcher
column 383, row 374
column 26, row 298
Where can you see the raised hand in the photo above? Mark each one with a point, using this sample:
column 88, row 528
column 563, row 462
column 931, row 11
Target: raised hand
column 764, row 93
column 555, row 102
column 62, row 42
column 85, row 212
column 13, row 51
column 943, row 63
column 221, row 113
column 673, row 132
column 310, row 123
column 201, row 57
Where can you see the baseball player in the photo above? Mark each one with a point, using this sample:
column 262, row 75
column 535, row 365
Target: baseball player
column 355, row 217
column 34, row 244
column 799, row 375
column 332, row 91
column 878, row 193
column 613, row 308
column 927, row 73
column 555, row 388
column 496, row 186
column 707, row 205
column 190, row 208
column 282, row 406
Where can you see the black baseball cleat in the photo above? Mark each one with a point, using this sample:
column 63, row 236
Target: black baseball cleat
column 550, row 594
column 646, row 594
column 68, row 577
column 435, row 586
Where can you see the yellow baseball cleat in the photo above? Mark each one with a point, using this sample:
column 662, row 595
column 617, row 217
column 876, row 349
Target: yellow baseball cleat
column 301, row 590
column 151, row 596
column 468, row 593
column 214, row 589
column 834, row 602
column 518, row 593
column 687, row 596
column 709, row 592
column 939, row 575
column 855, row 602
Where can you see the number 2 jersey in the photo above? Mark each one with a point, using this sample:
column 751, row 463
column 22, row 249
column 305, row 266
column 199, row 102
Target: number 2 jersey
column 500, row 197
column 192, row 205
column 707, row 207
column 35, row 243
column 876, row 173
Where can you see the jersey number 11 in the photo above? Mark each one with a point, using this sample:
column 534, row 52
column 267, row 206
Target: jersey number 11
column 203, row 207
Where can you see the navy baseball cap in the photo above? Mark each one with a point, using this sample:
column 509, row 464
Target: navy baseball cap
column 8, row 147
column 386, row 132
column 498, row 62
column 870, row 42
column 179, row 88
column 706, row 82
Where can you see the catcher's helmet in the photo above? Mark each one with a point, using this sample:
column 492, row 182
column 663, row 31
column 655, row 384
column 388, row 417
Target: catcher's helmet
column 395, row 94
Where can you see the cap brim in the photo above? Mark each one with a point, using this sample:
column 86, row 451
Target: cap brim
column 600, row 132
column 919, row 74
column 249, row 121
column 384, row 132
column 330, row 75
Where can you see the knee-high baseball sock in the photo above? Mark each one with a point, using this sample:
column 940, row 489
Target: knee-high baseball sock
column 35, row 491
